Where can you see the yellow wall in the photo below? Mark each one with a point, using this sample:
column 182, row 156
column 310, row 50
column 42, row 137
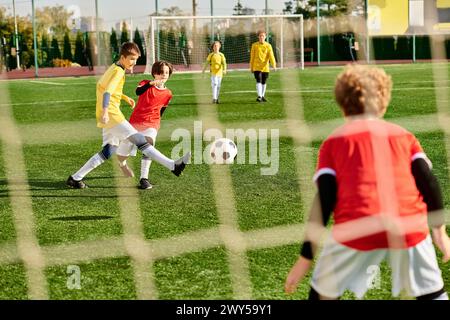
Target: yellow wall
column 388, row 17
column 443, row 3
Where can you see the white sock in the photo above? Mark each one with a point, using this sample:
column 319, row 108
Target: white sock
column 213, row 87
column 263, row 90
column 214, row 92
column 90, row 165
column 259, row 89
column 154, row 154
column 145, row 168
column 217, row 90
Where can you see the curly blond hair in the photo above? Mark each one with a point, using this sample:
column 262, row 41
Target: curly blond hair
column 363, row 90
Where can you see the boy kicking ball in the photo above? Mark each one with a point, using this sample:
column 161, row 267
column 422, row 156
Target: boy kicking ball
column 153, row 99
column 115, row 128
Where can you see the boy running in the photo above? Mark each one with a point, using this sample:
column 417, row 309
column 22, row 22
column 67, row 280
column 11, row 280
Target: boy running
column 218, row 67
column 114, row 126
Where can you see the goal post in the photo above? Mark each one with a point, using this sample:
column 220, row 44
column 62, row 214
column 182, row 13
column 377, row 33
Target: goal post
column 185, row 41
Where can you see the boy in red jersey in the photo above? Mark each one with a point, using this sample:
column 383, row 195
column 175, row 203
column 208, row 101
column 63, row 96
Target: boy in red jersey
column 154, row 97
column 377, row 181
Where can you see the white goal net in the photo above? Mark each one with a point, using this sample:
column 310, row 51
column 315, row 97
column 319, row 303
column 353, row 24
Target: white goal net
column 186, row 41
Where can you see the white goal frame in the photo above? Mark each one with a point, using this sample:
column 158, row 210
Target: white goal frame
column 151, row 41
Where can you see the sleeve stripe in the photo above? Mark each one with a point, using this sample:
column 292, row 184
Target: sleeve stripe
column 323, row 171
column 422, row 155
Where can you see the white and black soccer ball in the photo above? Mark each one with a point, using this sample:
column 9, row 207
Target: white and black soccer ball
column 223, row 151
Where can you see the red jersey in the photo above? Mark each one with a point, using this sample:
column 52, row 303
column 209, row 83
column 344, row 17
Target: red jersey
column 147, row 113
column 371, row 160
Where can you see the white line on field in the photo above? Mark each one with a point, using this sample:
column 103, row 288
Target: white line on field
column 323, row 89
column 48, row 82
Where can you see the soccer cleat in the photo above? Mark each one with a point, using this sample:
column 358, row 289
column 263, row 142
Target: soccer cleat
column 180, row 164
column 259, row 99
column 214, row 101
column 217, row 101
column 263, row 99
column 72, row 183
column 126, row 170
column 144, row 184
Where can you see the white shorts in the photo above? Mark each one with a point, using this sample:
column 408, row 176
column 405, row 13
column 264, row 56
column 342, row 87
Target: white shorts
column 118, row 133
column 126, row 148
column 414, row 270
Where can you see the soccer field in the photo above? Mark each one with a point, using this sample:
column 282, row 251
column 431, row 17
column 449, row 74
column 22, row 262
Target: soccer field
column 216, row 232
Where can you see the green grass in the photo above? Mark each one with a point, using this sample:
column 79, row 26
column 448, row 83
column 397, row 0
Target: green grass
column 180, row 206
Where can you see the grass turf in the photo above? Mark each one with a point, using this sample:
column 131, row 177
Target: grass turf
column 177, row 206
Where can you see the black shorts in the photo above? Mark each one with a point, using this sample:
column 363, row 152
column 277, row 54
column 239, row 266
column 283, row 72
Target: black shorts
column 261, row 77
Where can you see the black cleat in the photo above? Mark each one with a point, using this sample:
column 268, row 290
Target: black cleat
column 259, row 99
column 144, row 184
column 263, row 99
column 72, row 183
column 180, row 164
column 217, row 101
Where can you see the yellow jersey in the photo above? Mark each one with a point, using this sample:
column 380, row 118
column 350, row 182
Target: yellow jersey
column 260, row 56
column 218, row 63
column 112, row 82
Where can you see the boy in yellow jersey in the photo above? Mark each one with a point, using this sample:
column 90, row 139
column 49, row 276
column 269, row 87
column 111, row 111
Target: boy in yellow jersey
column 115, row 127
column 260, row 56
column 218, row 67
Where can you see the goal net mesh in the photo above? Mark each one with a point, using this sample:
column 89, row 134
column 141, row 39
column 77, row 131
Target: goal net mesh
column 186, row 41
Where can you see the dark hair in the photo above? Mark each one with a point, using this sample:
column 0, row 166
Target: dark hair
column 157, row 67
column 129, row 48
column 214, row 42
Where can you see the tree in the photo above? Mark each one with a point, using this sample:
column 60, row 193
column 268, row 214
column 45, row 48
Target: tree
column 87, row 52
column 79, row 56
column 124, row 35
column 238, row 9
column 137, row 39
column 67, row 50
column 114, row 45
column 333, row 7
column 46, row 57
column 52, row 19
column 12, row 62
column 289, row 7
column 55, row 52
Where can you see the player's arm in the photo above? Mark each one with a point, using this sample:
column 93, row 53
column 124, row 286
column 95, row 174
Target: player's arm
column 143, row 86
column 272, row 58
column 128, row 100
column 323, row 205
column 207, row 62
column 252, row 57
column 164, row 108
column 429, row 188
column 319, row 216
column 224, row 64
column 105, row 105
column 110, row 89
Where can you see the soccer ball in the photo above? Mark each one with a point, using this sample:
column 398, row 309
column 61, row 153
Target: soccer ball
column 223, row 151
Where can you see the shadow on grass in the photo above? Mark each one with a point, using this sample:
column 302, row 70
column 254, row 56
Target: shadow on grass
column 36, row 185
column 81, row 218
column 47, row 184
